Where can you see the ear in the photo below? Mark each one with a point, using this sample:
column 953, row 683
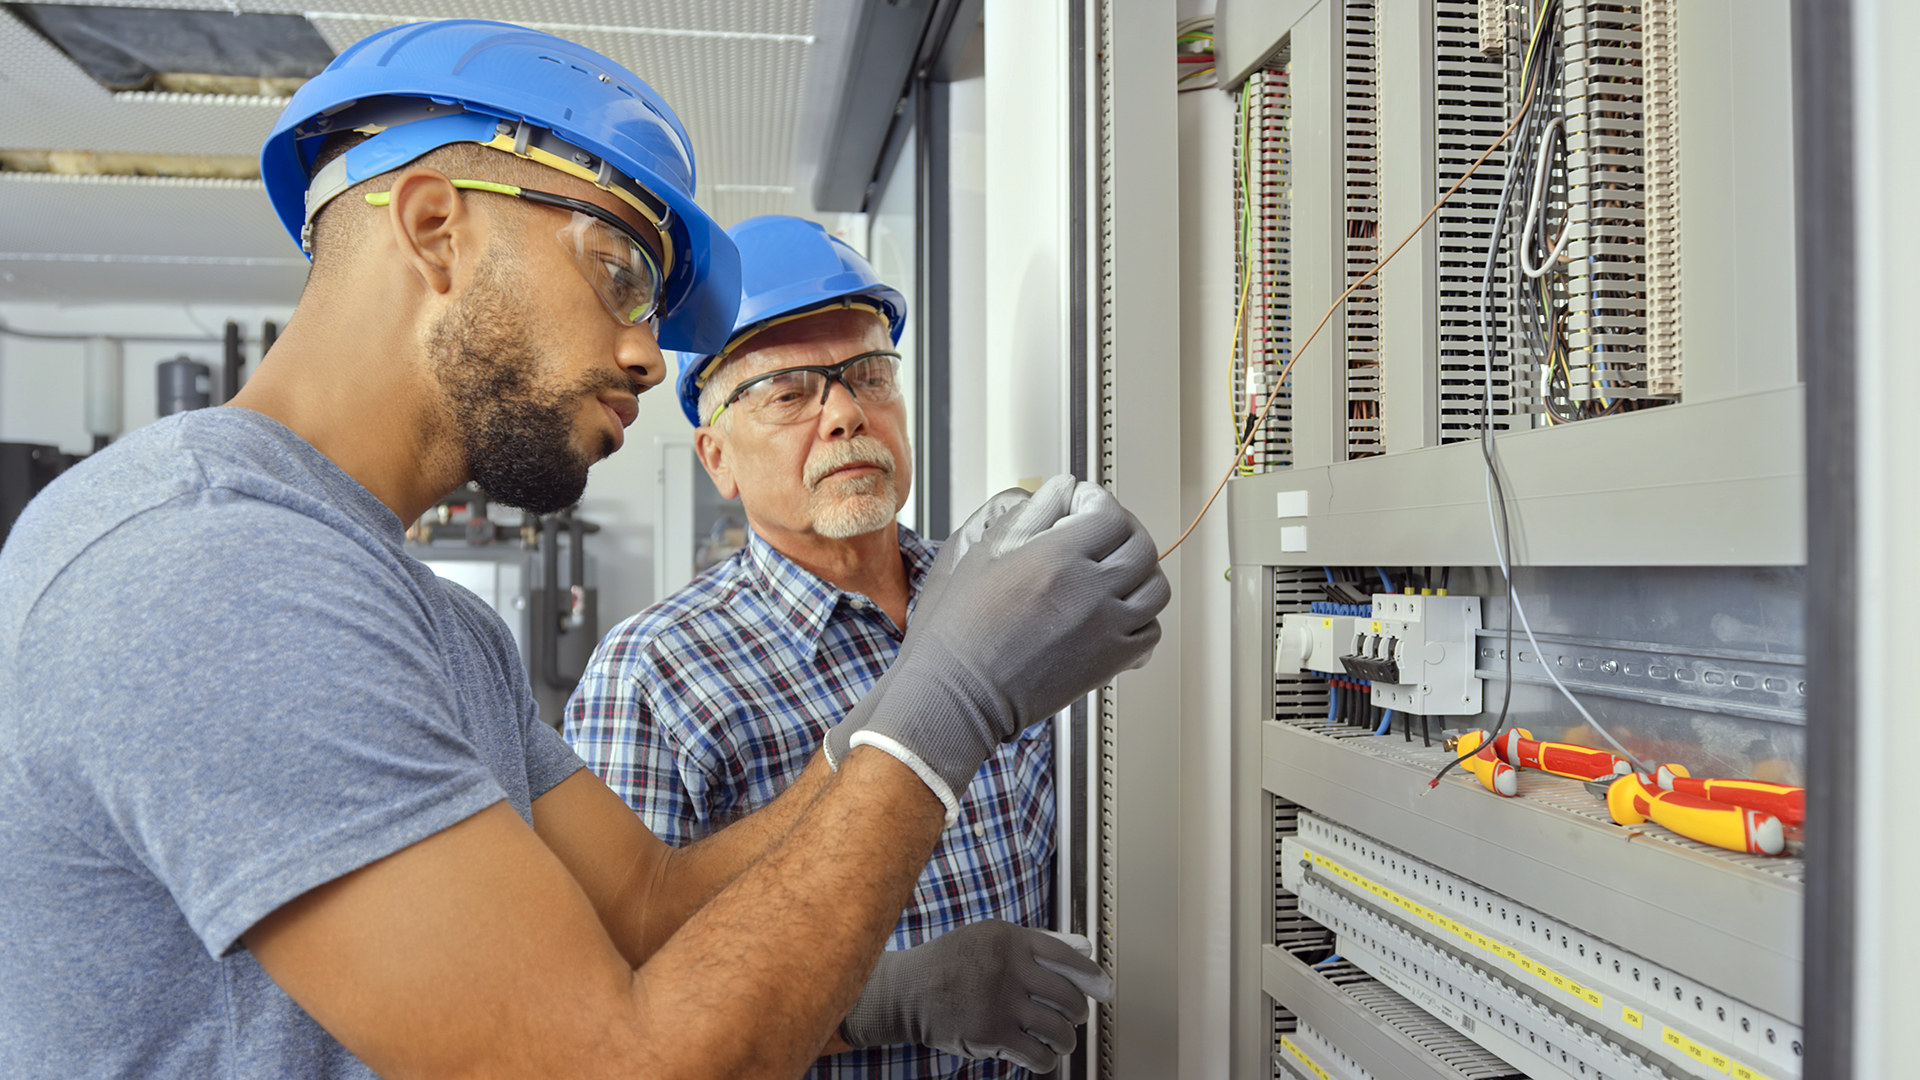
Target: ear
column 431, row 227
column 711, row 449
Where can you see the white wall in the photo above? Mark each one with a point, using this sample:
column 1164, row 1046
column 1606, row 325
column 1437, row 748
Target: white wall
column 43, row 383
column 967, row 299
column 1027, row 215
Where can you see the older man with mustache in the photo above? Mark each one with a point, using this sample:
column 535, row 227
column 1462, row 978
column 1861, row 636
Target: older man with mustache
column 713, row 701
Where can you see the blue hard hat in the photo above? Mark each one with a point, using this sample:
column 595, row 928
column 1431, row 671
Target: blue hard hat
column 789, row 267
column 425, row 85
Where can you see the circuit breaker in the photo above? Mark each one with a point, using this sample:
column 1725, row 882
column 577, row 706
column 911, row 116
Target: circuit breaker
column 1414, row 652
column 1417, row 652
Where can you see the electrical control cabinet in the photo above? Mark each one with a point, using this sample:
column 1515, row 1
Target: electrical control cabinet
column 1563, row 425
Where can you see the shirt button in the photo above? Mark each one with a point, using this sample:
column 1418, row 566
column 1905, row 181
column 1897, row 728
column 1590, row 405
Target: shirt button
column 980, row 830
column 859, row 603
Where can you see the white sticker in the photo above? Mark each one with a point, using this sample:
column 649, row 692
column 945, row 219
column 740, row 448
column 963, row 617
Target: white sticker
column 1291, row 503
column 1293, row 538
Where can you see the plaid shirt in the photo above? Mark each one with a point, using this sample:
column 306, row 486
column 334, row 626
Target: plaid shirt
column 706, row 705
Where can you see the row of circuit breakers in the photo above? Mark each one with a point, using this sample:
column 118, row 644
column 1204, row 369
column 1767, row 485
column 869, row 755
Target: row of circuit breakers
column 1415, row 651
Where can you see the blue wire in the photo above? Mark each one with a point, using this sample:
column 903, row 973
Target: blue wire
column 1329, row 572
column 1386, row 723
column 1333, row 702
column 1385, row 585
column 1329, row 961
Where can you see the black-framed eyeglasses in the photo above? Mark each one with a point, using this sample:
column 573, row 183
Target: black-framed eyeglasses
column 790, row 395
column 610, row 253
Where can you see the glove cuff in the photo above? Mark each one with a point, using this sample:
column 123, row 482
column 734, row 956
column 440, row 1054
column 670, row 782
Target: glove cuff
column 837, row 743
column 881, row 1016
column 927, row 773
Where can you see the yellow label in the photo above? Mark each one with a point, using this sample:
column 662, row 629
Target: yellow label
column 1313, row 1066
column 1632, row 1017
column 1326, row 624
column 1494, row 948
column 1376, row 626
column 1713, row 1059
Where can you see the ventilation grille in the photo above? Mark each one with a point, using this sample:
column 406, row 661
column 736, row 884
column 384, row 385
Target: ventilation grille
column 1104, row 1066
column 1471, row 109
column 1263, row 195
column 1296, row 697
column 1606, row 179
column 1663, row 198
column 1284, row 1023
column 1291, row 930
column 1360, row 207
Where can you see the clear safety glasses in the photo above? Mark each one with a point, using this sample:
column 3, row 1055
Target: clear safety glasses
column 610, row 254
column 791, row 395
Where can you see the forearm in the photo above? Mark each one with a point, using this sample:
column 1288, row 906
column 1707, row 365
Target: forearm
column 693, row 875
column 769, row 967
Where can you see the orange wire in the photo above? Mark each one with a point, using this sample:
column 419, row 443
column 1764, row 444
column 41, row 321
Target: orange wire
column 1261, row 422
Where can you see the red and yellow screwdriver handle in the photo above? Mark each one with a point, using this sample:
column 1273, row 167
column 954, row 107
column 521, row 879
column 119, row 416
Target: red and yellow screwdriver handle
column 1495, row 775
column 1517, row 748
column 1784, row 801
column 1636, row 797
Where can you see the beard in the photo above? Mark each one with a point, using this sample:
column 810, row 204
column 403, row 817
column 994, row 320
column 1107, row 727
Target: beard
column 516, row 435
column 843, row 507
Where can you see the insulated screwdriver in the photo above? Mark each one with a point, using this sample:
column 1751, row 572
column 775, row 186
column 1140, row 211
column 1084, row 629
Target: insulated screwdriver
column 1517, row 748
column 1495, row 775
column 1635, row 798
column 1784, row 801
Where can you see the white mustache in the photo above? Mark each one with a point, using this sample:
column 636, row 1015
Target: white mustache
column 859, row 450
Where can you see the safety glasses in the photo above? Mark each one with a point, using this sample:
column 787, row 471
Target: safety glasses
column 791, row 395
column 609, row 253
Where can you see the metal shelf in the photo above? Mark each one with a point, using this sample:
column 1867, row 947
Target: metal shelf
column 1730, row 921
column 1683, row 485
column 1384, row 1033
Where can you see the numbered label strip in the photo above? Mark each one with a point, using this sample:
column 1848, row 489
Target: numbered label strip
column 1526, row 964
column 1300, row 1056
column 1712, row 1059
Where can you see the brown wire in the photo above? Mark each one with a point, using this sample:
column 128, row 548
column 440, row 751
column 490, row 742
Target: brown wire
column 1259, row 423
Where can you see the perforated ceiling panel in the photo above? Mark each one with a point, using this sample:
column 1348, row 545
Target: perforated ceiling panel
column 733, row 69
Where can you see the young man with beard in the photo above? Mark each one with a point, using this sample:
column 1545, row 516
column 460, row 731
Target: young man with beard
column 711, row 703
column 275, row 800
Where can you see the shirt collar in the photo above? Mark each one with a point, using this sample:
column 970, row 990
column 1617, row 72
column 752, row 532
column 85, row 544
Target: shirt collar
column 803, row 603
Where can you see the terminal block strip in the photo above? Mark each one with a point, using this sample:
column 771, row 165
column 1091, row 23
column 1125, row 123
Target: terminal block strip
column 1543, row 995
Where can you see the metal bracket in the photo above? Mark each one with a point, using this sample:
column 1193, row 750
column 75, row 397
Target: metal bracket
column 1732, row 683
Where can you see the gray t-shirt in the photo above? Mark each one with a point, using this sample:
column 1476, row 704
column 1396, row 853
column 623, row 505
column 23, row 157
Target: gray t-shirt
column 222, row 683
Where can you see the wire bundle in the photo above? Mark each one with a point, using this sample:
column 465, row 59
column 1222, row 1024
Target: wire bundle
column 1539, row 68
column 1193, row 51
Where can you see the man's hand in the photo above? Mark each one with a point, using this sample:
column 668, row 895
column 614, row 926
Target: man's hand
column 968, row 534
column 987, row 990
column 1056, row 597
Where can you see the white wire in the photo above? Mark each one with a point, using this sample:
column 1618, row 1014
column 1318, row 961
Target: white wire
column 1513, row 597
column 1486, row 435
column 1534, row 205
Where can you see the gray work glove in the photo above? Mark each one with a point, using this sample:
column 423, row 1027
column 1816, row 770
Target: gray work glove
column 1057, row 597
column 956, row 545
column 986, row 990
